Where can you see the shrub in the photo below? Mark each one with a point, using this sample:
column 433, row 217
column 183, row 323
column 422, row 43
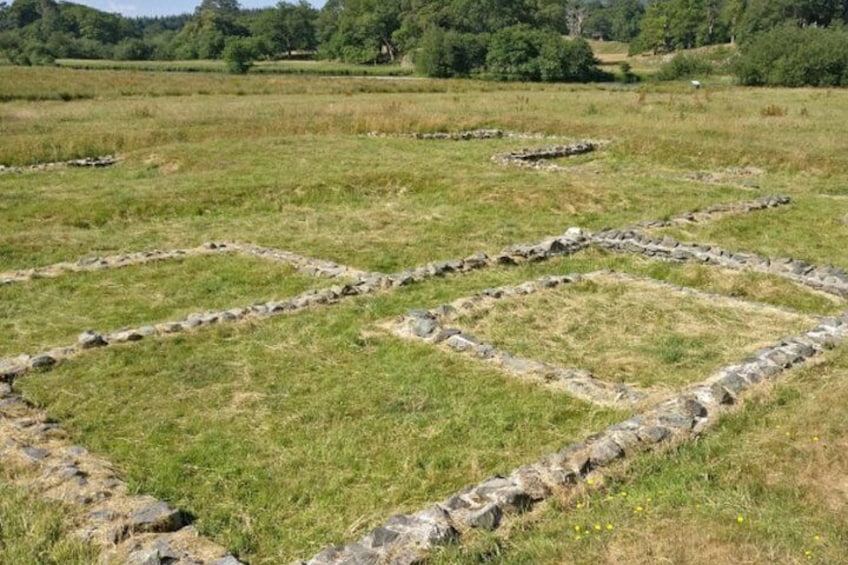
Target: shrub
column 523, row 53
column 239, row 54
column 447, row 53
column 793, row 56
column 684, row 66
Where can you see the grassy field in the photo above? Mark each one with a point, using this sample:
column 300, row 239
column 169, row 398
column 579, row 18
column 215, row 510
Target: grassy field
column 288, row 434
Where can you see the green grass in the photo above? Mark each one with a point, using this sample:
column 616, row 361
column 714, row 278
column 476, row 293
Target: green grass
column 280, row 448
column 812, row 229
column 285, row 435
column 767, row 486
column 45, row 312
column 630, row 332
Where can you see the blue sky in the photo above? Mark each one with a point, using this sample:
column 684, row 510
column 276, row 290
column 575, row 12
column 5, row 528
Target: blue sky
column 134, row 8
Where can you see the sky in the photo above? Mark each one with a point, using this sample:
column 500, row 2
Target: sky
column 134, row 8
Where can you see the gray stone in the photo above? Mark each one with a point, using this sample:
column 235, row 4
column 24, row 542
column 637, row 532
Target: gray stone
column 424, row 324
column 530, row 480
column 486, row 518
column 446, row 333
column 226, row 560
column 90, row 339
column 380, row 537
column 462, row 342
column 144, row 556
column 36, row 453
column 653, row 434
column 625, row 439
column 157, row 517
column 603, row 452
column 676, row 419
column 44, row 361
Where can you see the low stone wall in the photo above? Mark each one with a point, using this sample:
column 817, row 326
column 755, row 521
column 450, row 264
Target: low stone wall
column 96, row 162
column 538, row 158
column 304, row 265
column 718, row 211
column 91, row 264
column 826, row 278
column 14, row 367
column 130, row 529
column 404, row 539
column 431, row 326
column 468, row 135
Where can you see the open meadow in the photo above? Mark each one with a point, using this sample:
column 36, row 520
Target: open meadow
column 260, row 394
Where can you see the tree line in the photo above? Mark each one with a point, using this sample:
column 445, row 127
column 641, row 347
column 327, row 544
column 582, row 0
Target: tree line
column 505, row 39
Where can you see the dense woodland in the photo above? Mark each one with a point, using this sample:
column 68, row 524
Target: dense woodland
column 503, row 39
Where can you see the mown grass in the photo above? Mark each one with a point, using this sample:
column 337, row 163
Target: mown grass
column 767, row 486
column 46, row 312
column 280, row 448
column 630, row 332
column 285, row 435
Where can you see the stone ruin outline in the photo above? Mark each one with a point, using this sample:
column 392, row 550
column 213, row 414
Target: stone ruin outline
column 438, row 327
column 152, row 529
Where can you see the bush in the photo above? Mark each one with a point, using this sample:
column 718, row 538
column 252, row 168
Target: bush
column 523, row 53
column 447, row 53
column 685, row 66
column 792, row 56
column 239, row 54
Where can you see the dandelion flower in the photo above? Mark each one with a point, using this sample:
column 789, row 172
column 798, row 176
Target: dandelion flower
column 609, row 526
column 638, row 509
column 817, row 537
column 740, row 519
column 815, row 438
column 597, row 527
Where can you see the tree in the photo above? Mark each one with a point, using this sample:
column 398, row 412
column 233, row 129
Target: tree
column 789, row 55
column 763, row 15
column 575, row 17
column 286, row 28
column 239, row 54
column 206, row 34
column 360, row 31
column 523, row 53
column 680, row 24
column 624, row 19
column 449, row 53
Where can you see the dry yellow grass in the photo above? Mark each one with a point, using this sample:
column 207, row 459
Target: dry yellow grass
column 632, row 331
